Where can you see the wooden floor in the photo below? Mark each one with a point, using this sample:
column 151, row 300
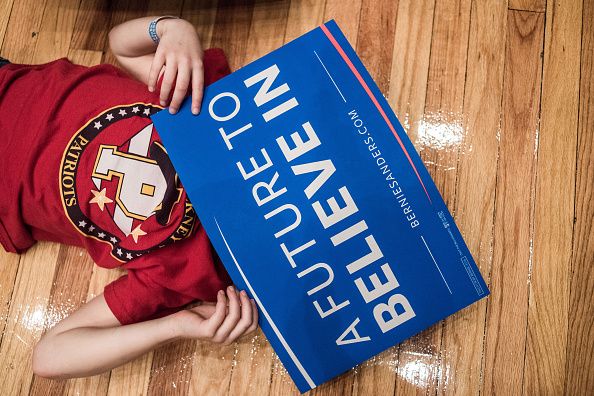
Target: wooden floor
column 498, row 97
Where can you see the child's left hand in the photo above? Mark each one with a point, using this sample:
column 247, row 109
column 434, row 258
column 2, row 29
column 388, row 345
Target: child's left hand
column 180, row 53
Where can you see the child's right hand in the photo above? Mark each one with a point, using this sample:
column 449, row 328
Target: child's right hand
column 180, row 55
column 218, row 322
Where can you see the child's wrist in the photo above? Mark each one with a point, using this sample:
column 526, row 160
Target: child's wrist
column 171, row 328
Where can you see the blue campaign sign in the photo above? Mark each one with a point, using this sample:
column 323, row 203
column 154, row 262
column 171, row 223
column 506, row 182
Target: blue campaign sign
column 320, row 207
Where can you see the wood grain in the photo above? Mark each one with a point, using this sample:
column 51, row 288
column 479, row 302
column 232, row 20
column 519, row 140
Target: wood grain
column 580, row 342
column 439, row 137
column 410, row 62
column 304, row 15
column 21, row 32
column 527, row 5
column 27, row 317
column 5, row 9
column 91, row 26
column 56, row 29
column 9, row 264
column 202, row 15
column 463, row 332
column 347, row 14
column 232, row 26
column 508, row 303
column 554, row 202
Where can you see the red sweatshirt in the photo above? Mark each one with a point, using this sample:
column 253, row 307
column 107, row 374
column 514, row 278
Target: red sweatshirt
column 83, row 165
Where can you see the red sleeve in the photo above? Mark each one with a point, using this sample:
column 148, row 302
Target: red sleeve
column 164, row 281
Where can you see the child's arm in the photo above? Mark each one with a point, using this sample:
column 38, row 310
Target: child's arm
column 91, row 341
column 179, row 52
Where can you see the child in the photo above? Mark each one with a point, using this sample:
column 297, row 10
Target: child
column 83, row 165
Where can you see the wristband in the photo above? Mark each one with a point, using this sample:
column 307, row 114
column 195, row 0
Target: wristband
column 152, row 28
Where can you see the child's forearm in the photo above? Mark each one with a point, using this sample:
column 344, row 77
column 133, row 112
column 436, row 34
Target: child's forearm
column 131, row 38
column 87, row 351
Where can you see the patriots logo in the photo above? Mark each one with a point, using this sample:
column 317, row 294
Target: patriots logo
column 119, row 186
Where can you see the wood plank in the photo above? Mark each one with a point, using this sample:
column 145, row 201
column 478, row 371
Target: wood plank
column 56, row 29
column 9, row 265
column 304, row 15
column 439, row 137
column 410, row 63
column 21, row 34
column 28, row 316
column 98, row 384
column 253, row 366
column 375, row 42
column 131, row 378
column 201, row 14
column 5, row 9
column 232, row 26
column 508, row 303
column 69, row 291
column 264, row 34
column 214, row 365
column 462, row 343
column 527, row 5
column 580, row 363
column 347, row 14
column 91, row 26
column 546, row 345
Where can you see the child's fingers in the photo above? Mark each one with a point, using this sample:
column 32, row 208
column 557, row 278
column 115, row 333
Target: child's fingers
column 181, row 87
column 156, row 66
column 245, row 321
column 205, row 310
column 197, row 87
column 168, row 79
column 217, row 318
column 254, row 324
column 232, row 317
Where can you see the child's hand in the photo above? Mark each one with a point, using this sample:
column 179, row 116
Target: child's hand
column 180, row 52
column 219, row 323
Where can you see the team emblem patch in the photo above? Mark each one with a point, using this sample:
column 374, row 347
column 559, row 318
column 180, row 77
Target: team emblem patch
column 116, row 171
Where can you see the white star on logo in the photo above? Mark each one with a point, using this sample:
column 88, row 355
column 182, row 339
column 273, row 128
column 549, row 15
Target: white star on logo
column 101, row 235
column 97, row 125
column 113, row 239
column 109, row 117
column 147, row 111
column 128, row 256
column 91, row 228
column 123, row 112
column 119, row 252
column 82, row 223
column 135, row 109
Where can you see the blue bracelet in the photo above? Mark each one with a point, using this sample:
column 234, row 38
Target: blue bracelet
column 152, row 28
